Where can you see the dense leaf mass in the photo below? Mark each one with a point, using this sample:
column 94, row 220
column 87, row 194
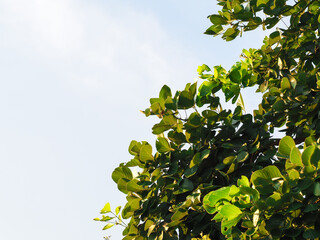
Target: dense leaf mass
column 221, row 174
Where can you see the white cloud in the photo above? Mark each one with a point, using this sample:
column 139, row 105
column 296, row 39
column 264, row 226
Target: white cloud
column 40, row 25
column 95, row 48
column 73, row 76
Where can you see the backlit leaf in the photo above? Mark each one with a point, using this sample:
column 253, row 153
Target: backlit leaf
column 106, row 209
column 146, row 153
column 285, row 146
column 163, row 145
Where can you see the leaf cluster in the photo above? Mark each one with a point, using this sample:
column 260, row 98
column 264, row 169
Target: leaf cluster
column 278, row 203
column 205, row 155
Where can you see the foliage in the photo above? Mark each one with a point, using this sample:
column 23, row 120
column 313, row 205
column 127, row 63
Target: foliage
column 281, row 202
column 196, row 184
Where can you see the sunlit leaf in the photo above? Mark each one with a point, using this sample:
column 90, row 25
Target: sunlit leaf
column 285, row 146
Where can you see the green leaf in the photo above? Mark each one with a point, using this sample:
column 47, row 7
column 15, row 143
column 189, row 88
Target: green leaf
column 242, row 156
column 316, row 190
column 206, row 87
column 250, row 231
column 309, row 141
column 170, row 104
column 311, row 207
column 122, row 185
column 274, row 200
column 198, row 157
column 132, row 205
column 134, row 147
column 160, row 237
column 191, row 88
column 243, row 181
column 253, row 193
column 194, row 120
column 150, row 229
column 158, row 106
column 185, row 100
column 234, row 191
column 261, row 2
column 214, row 30
column 217, row 19
column 190, row 171
column 133, row 186
column 203, row 68
column 228, row 160
column 280, row 63
column 285, row 83
column 293, row 174
column 109, row 225
column 148, row 224
column 163, row 145
column 230, row 212
column 165, row 92
column 274, row 37
column 307, row 154
column 213, row 197
column 293, row 82
column 174, row 223
column 295, row 157
column 170, row 120
column 177, row 137
column 279, row 105
column 160, row 128
column 104, row 218
column 315, row 158
column 226, row 224
column 179, row 214
column 106, row 209
column 133, row 231
column 121, row 172
column 285, row 146
column 185, row 186
column 146, row 153
column 230, row 34
column 263, row 179
column 235, row 75
column 118, row 210
column 311, row 234
column 240, row 102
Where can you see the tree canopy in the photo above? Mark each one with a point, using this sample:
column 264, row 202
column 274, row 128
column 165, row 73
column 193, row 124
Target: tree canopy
column 223, row 174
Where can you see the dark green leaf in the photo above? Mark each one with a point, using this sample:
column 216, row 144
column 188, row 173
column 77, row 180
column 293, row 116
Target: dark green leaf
column 311, row 234
column 316, row 190
column 186, row 100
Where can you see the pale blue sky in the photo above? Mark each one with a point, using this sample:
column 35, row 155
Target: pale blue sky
column 74, row 75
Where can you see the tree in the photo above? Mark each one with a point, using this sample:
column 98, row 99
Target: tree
column 222, row 174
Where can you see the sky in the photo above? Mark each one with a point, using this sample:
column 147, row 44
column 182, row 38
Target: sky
column 74, row 75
